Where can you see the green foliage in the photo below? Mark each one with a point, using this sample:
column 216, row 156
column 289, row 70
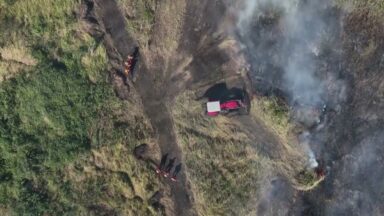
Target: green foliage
column 277, row 110
column 307, row 179
column 275, row 115
column 140, row 17
column 45, row 115
column 37, row 14
column 44, row 121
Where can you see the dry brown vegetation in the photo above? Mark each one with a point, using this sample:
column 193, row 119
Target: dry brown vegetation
column 292, row 159
column 111, row 177
column 375, row 7
column 15, row 57
column 222, row 165
column 142, row 22
column 66, row 144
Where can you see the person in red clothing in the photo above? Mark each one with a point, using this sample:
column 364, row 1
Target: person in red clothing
column 128, row 65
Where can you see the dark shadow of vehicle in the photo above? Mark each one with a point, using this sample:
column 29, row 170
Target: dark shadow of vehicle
column 221, row 92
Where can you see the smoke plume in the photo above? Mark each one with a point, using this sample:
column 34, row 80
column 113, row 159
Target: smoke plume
column 288, row 43
column 294, row 48
column 304, row 139
column 293, row 45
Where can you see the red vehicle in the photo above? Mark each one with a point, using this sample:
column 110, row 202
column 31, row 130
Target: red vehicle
column 215, row 108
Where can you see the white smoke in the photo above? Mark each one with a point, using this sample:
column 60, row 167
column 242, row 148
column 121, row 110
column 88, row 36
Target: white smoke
column 304, row 35
column 251, row 9
column 301, row 33
column 304, row 140
column 247, row 12
column 312, row 159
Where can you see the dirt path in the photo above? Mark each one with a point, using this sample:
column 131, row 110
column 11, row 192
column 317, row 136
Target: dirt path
column 151, row 86
column 154, row 101
column 263, row 139
column 157, row 82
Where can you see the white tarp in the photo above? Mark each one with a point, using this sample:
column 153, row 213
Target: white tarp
column 213, row 106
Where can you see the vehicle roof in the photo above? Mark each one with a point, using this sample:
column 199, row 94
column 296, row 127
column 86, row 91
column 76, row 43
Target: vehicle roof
column 213, row 106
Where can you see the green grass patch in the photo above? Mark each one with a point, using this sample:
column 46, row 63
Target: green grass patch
column 60, row 112
column 44, row 121
column 140, row 17
column 275, row 114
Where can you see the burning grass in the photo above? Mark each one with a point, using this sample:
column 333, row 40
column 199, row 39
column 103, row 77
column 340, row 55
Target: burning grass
column 292, row 161
column 224, row 168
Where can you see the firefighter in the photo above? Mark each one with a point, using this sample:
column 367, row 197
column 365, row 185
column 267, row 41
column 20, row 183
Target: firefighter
column 169, row 167
column 162, row 163
column 128, row 65
column 129, row 61
column 175, row 172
